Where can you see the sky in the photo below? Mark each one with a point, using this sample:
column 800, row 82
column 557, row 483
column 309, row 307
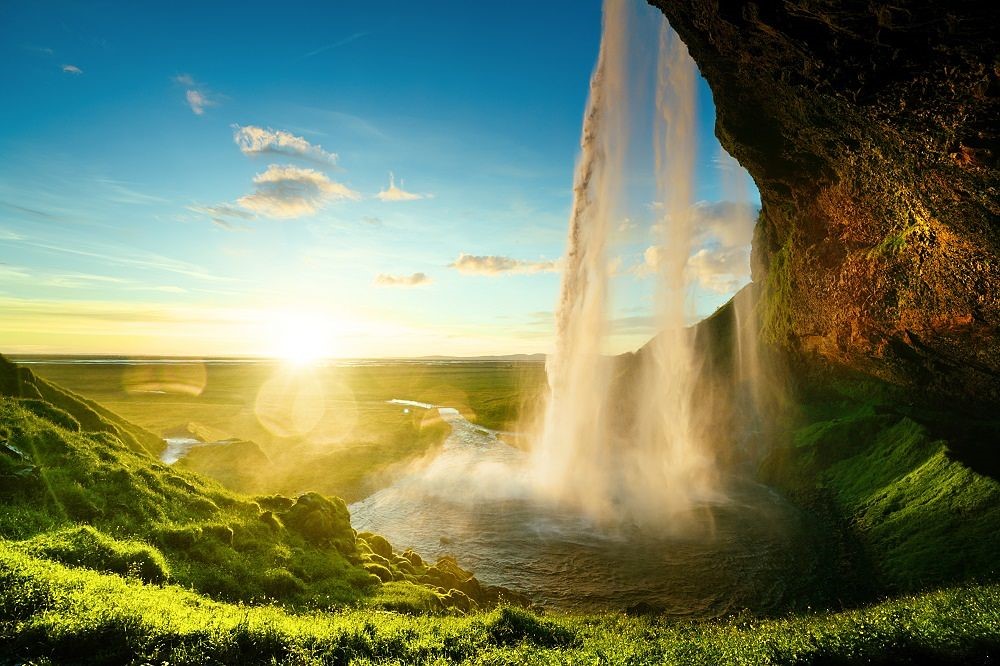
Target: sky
column 347, row 179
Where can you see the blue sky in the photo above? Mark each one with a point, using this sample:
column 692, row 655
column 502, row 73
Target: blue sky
column 193, row 178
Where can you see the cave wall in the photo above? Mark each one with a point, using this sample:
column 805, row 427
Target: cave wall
column 873, row 133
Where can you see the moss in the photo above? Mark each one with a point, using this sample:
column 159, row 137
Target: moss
column 921, row 517
column 512, row 626
column 86, row 547
column 47, row 411
column 775, row 304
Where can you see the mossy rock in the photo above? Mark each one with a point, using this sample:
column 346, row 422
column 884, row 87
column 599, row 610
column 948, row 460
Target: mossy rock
column 180, row 537
column 511, row 626
column 378, row 544
column 281, row 583
column 383, row 573
column 276, row 503
column 458, row 600
column 322, row 521
column 223, row 533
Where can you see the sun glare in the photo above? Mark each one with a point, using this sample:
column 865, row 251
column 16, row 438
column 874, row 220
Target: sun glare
column 303, row 338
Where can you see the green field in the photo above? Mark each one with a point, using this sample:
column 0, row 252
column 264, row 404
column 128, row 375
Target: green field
column 328, row 429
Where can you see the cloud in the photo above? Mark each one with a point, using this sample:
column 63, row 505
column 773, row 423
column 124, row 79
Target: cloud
column 288, row 191
column 119, row 255
column 720, row 260
column 197, row 101
column 415, row 280
column 72, row 69
column 222, row 214
column 253, row 140
column 469, row 264
column 197, row 97
column 728, row 222
column 720, row 270
column 398, row 193
column 343, row 42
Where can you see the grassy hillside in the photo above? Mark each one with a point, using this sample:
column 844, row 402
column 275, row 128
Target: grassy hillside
column 86, row 494
column 912, row 510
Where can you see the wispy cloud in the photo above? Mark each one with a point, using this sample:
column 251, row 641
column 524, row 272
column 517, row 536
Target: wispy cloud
column 72, row 69
column 415, row 280
column 122, row 192
column 343, row 42
column 197, row 96
column 197, row 101
column 225, row 216
column 469, row 264
column 287, row 192
column 398, row 193
column 253, row 140
column 118, row 255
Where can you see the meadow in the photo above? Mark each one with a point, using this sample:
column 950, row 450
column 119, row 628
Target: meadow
column 348, row 440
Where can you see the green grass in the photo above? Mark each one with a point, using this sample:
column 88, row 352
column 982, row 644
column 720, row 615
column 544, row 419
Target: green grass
column 52, row 613
column 358, row 445
column 920, row 516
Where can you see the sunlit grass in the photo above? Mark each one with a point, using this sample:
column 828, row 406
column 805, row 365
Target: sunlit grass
column 52, row 611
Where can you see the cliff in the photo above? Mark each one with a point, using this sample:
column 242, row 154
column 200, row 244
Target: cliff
column 871, row 131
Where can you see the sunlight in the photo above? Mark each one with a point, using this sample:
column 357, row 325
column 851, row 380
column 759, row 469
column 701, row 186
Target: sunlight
column 303, row 338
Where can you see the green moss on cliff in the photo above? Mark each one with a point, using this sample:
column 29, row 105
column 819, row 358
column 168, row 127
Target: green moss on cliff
column 777, row 297
column 922, row 517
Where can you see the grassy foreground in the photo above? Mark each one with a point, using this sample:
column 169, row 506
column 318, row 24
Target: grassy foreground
column 53, row 613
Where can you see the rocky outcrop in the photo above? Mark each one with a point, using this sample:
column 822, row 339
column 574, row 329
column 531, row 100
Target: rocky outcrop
column 873, row 133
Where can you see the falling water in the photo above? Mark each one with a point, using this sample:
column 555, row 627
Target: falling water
column 654, row 466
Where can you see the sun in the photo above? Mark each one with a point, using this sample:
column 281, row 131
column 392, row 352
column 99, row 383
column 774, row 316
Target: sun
column 303, row 338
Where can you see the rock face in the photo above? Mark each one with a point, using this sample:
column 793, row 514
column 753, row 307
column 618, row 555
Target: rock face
column 873, row 133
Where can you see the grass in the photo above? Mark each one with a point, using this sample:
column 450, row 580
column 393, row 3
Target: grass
column 920, row 515
column 52, row 613
column 356, row 444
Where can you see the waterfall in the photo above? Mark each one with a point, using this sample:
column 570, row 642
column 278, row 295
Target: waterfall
column 654, row 467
